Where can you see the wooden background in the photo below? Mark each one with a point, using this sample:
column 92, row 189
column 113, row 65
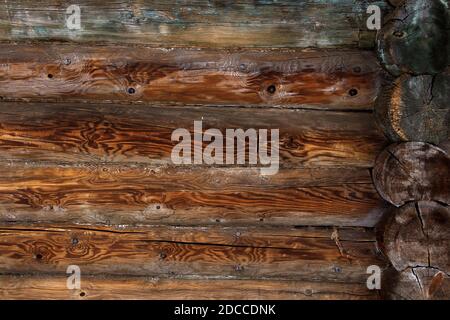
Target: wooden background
column 86, row 118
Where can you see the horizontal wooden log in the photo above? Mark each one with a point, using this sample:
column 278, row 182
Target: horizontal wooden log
column 158, row 252
column 160, row 179
column 338, row 79
column 256, row 236
column 111, row 164
column 251, row 236
column 122, row 195
column 121, row 288
column 244, row 23
column 73, row 133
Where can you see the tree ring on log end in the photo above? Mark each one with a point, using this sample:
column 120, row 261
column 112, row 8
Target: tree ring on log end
column 412, row 171
column 415, row 108
column 415, row 38
column 419, row 283
column 416, row 235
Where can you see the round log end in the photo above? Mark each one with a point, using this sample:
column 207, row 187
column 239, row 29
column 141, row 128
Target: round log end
column 416, row 236
column 420, row 283
column 415, row 108
column 415, row 38
column 412, row 171
column 416, row 242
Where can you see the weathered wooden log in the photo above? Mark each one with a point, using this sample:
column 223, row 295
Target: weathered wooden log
column 416, row 235
column 93, row 184
column 339, row 79
column 445, row 145
column 203, row 252
column 416, row 242
column 95, row 287
column 112, row 164
column 418, row 283
column 243, row 23
column 415, row 108
column 396, row 3
column 82, row 133
column 106, row 194
column 415, row 38
column 413, row 171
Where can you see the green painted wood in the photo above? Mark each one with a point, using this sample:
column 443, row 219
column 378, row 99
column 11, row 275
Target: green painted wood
column 245, row 23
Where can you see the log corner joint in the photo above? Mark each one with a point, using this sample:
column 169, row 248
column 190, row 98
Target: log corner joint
column 413, row 173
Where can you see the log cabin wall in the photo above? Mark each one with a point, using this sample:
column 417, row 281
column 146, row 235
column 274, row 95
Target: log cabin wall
column 87, row 179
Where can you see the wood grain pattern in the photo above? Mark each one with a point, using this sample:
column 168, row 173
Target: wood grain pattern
column 54, row 287
column 416, row 236
column 415, row 108
column 413, row 171
column 73, row 133
column 121, row 195
column 86, row 176
column 256, row 236
column 121, row 252
column 419, row 283
column 159, row 179
column 338, row 79
column 243, row 23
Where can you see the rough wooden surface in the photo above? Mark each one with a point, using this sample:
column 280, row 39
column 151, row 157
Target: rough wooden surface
column 243, row 23
column 235, row 253
column 54, row 287
column 74, row 133
column 413, row 171
column 415, row 108
column 121, row 195
column 111, row 164
column 396, row 3
column 417, row 236
column 419, row 283
column 86, row 178
column 414, row 38
column 445, row 145
column 338, row 79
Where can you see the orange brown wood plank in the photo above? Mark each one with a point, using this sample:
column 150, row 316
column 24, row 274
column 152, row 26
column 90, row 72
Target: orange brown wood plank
column 326, row 79
column 71, row 133
column 120, row 252
column 54, row 287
